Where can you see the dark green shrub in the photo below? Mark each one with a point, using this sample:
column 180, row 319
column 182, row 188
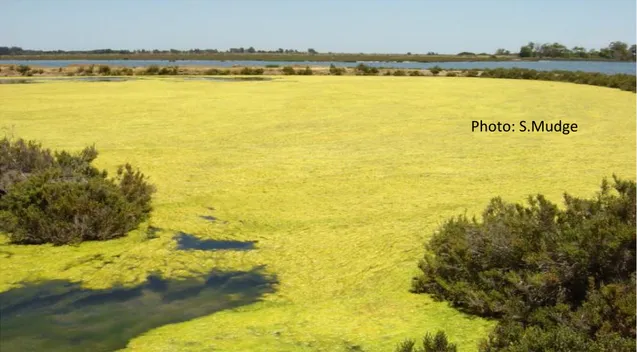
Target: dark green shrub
column 151, row 70
column 288, row 70
column 337, row 71
column 23, row 70
column 435, row 70
column 307, row 71
column 212, row 71
column 472, row 73
column 430, row 343
column 168, row 70
column 415, row 73
column 556, row 277
column 399, row 73
column 62, row 199
column 104, row 70
column 271, row 66
column 451, row 74
column 251, row 71
column 387, row 73
column 127, row 71
column 364, row 70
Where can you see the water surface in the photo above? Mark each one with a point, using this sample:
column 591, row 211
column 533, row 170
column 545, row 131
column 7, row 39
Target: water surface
column 189, row 242
column 608, row 67
column 62, row 316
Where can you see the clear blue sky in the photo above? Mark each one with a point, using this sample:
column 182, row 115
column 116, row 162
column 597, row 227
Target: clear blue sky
column 419, row 26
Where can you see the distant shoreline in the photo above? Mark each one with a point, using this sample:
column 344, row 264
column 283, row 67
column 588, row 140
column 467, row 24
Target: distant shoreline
column 296, row 57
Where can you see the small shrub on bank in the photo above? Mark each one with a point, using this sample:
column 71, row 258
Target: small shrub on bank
column 126, row 71
column 151, row 70
column 271, row 66
column 400, row 73
column 168, row 70
column 61, row 198
column 104, row 70
column 251, row 71
column 415, row 73
column 336, row 71
column 23, row 70
column 288, row 70
column 472, row 73
column 307, row 71
column 451, row 74
column 435, row 70
column 364, row 70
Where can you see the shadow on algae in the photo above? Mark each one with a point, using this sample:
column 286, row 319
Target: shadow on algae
column 189, row 242
column 61, row 316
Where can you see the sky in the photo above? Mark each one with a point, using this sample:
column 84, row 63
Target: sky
column 369, row 26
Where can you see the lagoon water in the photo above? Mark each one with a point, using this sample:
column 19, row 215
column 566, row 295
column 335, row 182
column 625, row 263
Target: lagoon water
column 607, row 67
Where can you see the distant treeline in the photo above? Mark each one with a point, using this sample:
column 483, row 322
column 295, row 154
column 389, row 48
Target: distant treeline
column 616, row 50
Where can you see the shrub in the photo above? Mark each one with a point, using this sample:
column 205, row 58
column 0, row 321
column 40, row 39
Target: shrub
column 435, row 70
column 472, row 73
column 305, row 72
column 451, row 74
column 288, row 70
column 126, row 71
column 430, row 343
column 399, row 73
column 212, row 71
column 23, row 70
column 415, row 73
column 337, row 71
column 60, row 198
column 104, row 70
column 556, row 277
column 168, row 70
column 151, row 70
column 251, row 71
column 362, row 69
column 271, row 66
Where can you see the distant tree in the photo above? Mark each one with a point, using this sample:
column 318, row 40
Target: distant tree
column 312, row 51
column 251, row 50
column 619, row 51
column 527, row 50
column 502, row 52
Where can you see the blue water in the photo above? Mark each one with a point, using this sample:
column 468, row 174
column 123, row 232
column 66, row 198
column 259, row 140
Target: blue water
column 607, row 67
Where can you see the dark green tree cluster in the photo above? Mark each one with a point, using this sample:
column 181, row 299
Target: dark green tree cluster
column 289, row 70
column 364, row 70
column 615, row 50
column 619, row 81
column 337, row 71
column 61, row 198
column 559, row 279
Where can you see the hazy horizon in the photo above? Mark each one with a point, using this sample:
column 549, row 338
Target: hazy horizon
column 373, row 26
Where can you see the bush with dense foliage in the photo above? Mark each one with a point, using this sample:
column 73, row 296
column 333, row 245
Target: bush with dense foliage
column 435, row 70
column 288, row 70
column 364, row 70
column 337, row 71
column 61, row 198
column 559, row 279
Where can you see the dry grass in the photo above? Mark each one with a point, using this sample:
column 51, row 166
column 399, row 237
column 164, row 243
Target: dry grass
column 340, row 179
